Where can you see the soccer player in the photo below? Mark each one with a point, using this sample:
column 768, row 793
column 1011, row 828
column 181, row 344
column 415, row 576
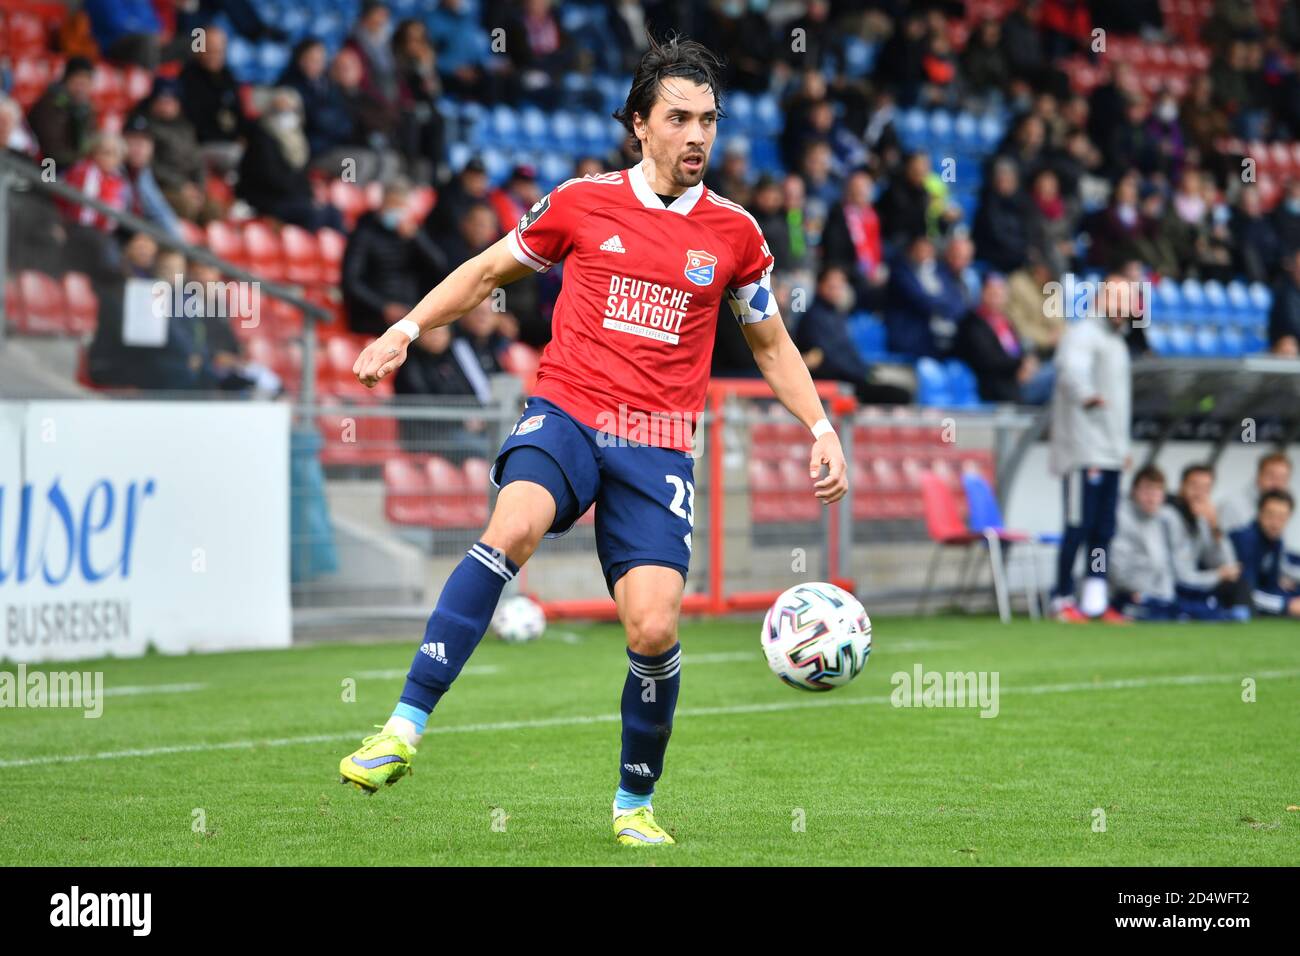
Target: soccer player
column 650, row 253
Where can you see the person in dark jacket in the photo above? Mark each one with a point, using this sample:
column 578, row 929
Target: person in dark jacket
column 177, row 160
column 921, row 309
column 987, row 342
column 1002, row 224
column 387, row 264
column 1268, row 568
column 63, row 119
column 210, row 94
column 823, row 339
column 1284, row 316
column 905, row 204
column 273, row 170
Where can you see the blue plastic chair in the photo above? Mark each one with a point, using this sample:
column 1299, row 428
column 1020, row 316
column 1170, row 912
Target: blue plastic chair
column 985, row 517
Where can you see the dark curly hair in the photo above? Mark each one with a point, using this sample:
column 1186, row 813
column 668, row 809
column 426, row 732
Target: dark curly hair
column 672, row 56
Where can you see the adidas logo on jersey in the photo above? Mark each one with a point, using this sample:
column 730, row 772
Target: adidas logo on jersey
column 640, row 769
column 612, row 244
column 435, row 649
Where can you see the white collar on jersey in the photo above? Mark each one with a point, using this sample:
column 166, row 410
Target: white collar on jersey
column 683, row 204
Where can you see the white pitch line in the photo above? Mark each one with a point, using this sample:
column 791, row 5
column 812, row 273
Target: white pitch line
column 724, row 657
column 574, row 721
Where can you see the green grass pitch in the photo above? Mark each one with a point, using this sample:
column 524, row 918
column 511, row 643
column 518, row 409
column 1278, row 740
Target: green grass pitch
column 1146, row 724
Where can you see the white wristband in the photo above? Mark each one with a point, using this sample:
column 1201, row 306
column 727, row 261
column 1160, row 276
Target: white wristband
column 411, row 330
column 821, row 427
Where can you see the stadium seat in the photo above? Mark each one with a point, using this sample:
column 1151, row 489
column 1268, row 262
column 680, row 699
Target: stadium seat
column 407, row 492
column 44, row 310
column 947, row 529
column 984, row 517
column 82, row 303
column 932, row 383
column 227, row 241
column 358, row 440
column 264, row 251
column 303, row 262
column 332, row 245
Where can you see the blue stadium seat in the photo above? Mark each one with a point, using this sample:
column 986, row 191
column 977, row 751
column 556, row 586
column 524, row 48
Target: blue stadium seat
column 962, row 384
column 1168, row 305
column 272, row 59
column 594, row 135
column 911, row 126
column 740, row 110
column 1180, row 340
column 868, row 335
column 1216, row 302
column 534, row 129
column 1261, row 299
column 767, row 114
column 991, row 130
column 1193, row 301
column 1205, row 341
column 241, row 58
column 1232, row 342
column 564, row 129
column 1158, row 338
column 932, row 383
column 505, row 126
column 1256, row 336
column 967, row 129
column 940, row 126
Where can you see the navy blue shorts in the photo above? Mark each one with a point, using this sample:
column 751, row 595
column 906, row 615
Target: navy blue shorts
column 644, row 495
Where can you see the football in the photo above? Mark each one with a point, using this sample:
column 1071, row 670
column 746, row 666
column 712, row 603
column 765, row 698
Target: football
column 816, row 637
column 519, row 619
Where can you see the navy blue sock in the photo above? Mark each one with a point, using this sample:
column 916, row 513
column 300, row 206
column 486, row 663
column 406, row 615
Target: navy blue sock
column 458, row 623
column 649, row 699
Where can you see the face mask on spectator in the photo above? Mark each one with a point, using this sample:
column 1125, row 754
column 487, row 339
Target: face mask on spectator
column 1293, row 206
column 1167, row 111
column 391, row 218
column 288, row 120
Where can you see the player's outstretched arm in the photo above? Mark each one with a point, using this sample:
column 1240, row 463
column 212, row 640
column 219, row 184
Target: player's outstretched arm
column 783, row 367
column 468, row 284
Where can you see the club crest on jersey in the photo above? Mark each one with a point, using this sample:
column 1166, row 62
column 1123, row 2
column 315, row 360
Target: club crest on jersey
column 530, row 424
column 699, row 266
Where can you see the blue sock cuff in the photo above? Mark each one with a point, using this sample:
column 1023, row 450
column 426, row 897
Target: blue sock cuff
column 414, row 714
column 494, row 559
column 627, row 800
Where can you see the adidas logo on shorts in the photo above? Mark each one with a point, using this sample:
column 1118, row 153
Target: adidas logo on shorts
column 435, row 649
column 612, row 244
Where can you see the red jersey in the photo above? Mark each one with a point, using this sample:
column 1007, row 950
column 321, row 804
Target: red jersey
column 632, row 332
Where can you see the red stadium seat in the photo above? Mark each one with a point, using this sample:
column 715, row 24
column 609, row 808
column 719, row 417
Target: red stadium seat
column 450, row 492
column 332, row 245
column 82, row 303
column 26, row 35
column 262, row 246
column 302, row 255
column 227, row 241
column 45, row 310
column 407, row 499
column 358, row 439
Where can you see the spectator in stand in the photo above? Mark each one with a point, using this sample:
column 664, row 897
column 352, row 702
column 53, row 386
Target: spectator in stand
column 766, row 208
column 800, row 222
column 16, row 138
column 1202, row 121
column 387, row 264
column 477, row 230
column 822, row 336
column 1066, row 27
column 1286, row 218
column 273, row 171
column 904, row 206
column 1284, row 315
column 817, row 168
column 469, row 187
column 1205, row 569
column 851, row 236
column 901, row 63
column 463, row 49
column 1164, row 135
column 210, row 98
column 99, row 176
column 1270, row 571
column 177, row 160
column 515, row 197
column 919, row 312
column 440, row 364
column 370, row 39
column 731, row 177
column 1254, row 239
column 63, row 118
column 1035, row 322
column 485, row 334
column 342, row 122
column 1053, row 222
column 539, row 49
column 1002, row 223
column 114, row 361
column 1127, row 144
column 129, row 32
column 145, row 197
column 957, row 269
column 984, row 65
column 1117, row 227
column 224, row 365
column 1025, row 148
column 1272, row 473
column 987, row 343
column 422, row 131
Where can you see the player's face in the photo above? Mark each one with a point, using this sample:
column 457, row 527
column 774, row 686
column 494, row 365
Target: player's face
column 679, row 134
column 1273, row 518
